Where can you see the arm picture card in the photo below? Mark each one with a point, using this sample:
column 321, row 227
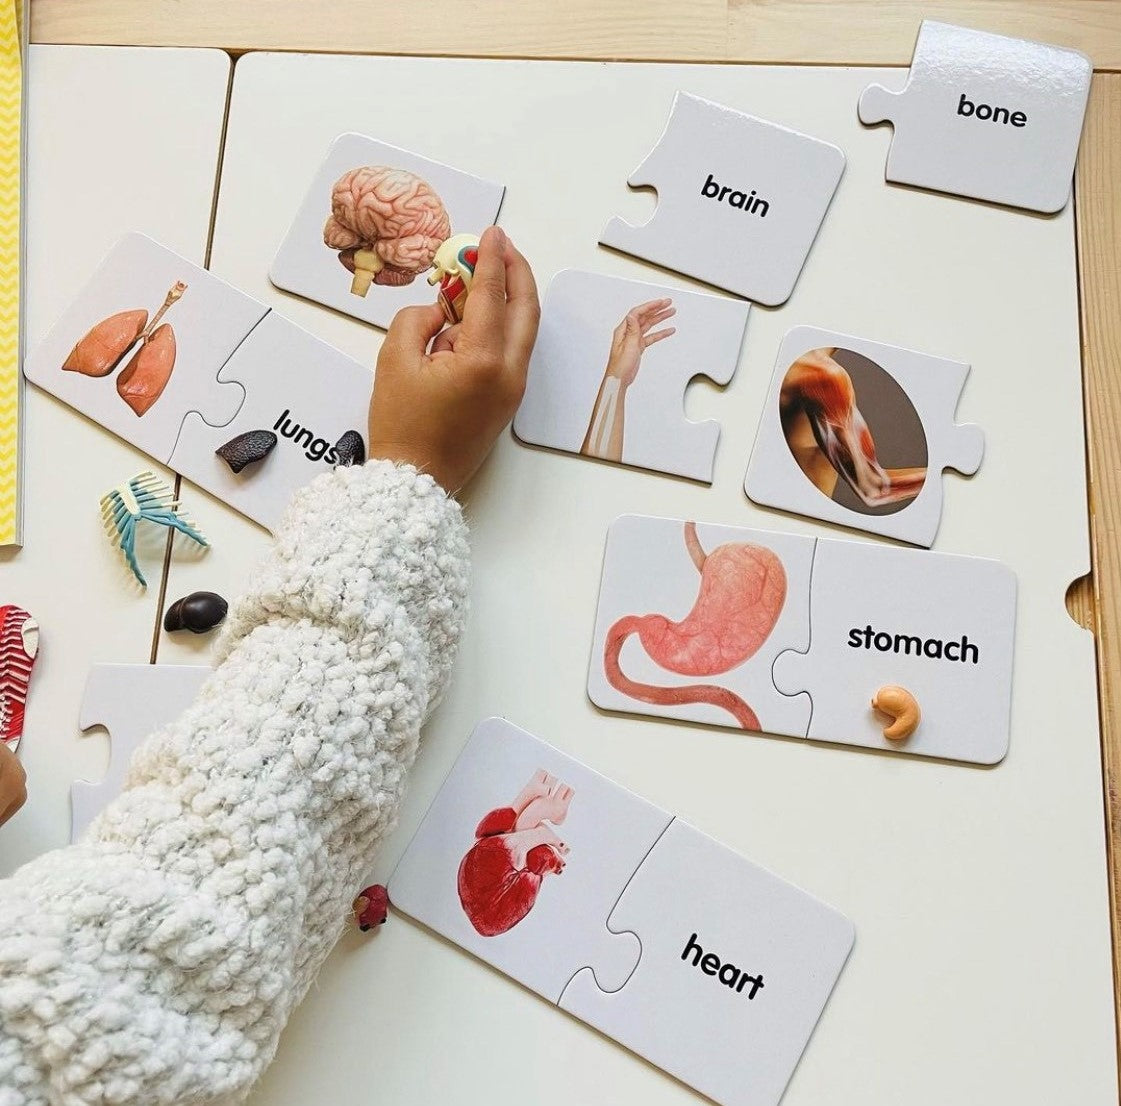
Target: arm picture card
column 985, row 116
column 178, row 363
column 740, row 200
column 707, row 965
column 858, row 432
column 367, row 232
column 795, row 635
column 612, row 361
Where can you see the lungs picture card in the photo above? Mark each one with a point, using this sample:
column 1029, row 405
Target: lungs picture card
column 985, row 116
column 858, row 432
column 844, row 642
column 707, row 965
column 611, row 365
column 203, row 378
column 367, row 232
column 740, row 200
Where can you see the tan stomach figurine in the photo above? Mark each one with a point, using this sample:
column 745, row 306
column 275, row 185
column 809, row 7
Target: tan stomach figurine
column 453, row 267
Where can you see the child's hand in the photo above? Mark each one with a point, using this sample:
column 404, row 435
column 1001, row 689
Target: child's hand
column 442, row 411
column 13, row 783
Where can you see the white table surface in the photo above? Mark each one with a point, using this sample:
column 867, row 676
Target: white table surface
column 982, row 962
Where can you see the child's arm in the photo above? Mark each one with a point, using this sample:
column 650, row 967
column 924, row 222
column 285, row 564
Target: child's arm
column 157, row 961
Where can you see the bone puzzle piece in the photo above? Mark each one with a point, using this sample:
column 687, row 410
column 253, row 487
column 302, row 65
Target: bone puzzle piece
column 857, row 433
column 297, row 387
column 736, row 968
column 612, row 361
column 105, row 358
column 740, row 200
column 941, row 626
column 131, row 701
column 370, row 224
column 985, row 116
column 691, row 617
column 522, row 857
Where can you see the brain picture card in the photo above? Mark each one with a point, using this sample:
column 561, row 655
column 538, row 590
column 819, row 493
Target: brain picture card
column 858, row 432
column 367, row 232
column 740, row 200
column 845, row 642
column 612, row 361
column 985, row 116
column 707, row 965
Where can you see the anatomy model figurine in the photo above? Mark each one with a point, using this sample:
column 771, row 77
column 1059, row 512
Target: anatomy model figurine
column 105, row 345
column 742, row 593
column 515, row 848
column 453, row 269
column 19, row 646
column 387, row 225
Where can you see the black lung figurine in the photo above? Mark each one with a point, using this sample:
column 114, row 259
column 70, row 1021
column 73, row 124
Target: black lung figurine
column 350, row 449
column 253, row 445
column 198, row 612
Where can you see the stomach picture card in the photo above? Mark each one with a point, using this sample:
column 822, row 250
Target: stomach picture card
column 857, row 433
column 707, row 965
column 611, row 365
column 369, row 227
column 187, row 379
column 740, row 200
column 844, row 642
column 985, row 116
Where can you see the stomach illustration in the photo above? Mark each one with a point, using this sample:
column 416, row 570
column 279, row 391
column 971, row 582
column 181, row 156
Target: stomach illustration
column 741, row 595
column 515, row 848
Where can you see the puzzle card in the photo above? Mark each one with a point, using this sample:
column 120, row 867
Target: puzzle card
column 365, row 237
column 740, row 200
column 705, row 964
column 612, row 361
column 985, row 116
column 845, row 642
column 858, row 432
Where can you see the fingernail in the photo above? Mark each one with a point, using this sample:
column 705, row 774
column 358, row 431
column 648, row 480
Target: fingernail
column 499, row 235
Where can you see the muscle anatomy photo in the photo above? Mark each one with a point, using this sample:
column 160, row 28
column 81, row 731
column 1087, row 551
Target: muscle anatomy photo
column 836, row 446
column 386, row 224
column 629, row 341
column 515, row 848
column 742, row 593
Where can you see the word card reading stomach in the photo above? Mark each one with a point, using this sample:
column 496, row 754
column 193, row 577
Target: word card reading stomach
column 707, row 965
column 839, row 641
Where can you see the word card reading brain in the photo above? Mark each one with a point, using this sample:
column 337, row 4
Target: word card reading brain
column 707, row 965
column 844, row 642
column 740, row 200
column 985, row 116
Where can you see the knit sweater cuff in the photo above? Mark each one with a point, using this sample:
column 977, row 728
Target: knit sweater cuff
column 367, row 550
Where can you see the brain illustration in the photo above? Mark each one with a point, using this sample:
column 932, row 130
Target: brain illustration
column 387, row 225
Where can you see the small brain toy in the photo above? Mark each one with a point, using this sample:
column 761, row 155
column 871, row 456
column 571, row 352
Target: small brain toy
column 453, row 269
column 386, row 224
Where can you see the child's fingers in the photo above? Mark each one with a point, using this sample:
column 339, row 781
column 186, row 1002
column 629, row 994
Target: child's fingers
column 413, row 328
column 484, row 313
column 523, row 311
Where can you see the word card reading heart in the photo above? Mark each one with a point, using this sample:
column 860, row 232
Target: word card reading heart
column 858, row 433
column 611, row 364
column 371, row 224
column 740, row 200
column 985, row 116
column 707, row 965
column 799, row 636
column 208, row 366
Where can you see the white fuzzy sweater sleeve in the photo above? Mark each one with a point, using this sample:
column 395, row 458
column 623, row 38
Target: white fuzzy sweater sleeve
column 157, row 961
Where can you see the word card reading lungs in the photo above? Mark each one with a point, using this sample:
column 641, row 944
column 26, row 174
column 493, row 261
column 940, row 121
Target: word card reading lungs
column 796, row 635
column 985, row 116
column 610, row 367
column 216, row 364
column 708, row 966
column 858, row 433
column 740, row 200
